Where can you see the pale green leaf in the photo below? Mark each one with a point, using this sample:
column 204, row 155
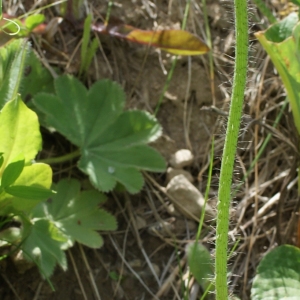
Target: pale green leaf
column 20, row 132
column 34, row 20
column 37, row 176
column 20, row 137
column 281, row 42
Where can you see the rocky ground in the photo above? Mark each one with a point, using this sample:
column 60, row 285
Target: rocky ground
column 146, row 257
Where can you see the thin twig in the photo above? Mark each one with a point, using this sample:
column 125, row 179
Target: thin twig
column 77, row 275
column 92, row 279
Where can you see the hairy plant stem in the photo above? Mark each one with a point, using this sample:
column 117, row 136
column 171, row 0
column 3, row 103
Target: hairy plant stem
column 224, row 193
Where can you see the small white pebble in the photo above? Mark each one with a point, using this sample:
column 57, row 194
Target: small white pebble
column 181, row 158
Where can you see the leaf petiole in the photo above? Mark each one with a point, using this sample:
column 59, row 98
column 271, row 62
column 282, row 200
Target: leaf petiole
column 60, row 159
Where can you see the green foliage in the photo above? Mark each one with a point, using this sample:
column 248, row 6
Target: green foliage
column 11, row 71
column 112, row 142
column 21, row 72
column 12, row 171
column 68, row 216
column 281, row 41
column 278, row 272
column 265, row 10
column 33, row 21
column 20, row 140
column 36, row 78
column 201, row 265
column 72, row 9
column 42, row 247
column 52, row 226
column 87, row 52
column 297, row 2
column 30, row 23
column 278, row 275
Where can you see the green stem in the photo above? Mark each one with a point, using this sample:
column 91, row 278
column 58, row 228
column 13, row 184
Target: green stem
column 110, row 5
column 60, row 159
column 224, row 194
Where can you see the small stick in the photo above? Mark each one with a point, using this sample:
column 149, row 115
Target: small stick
column 90, row 273
column 77, row 275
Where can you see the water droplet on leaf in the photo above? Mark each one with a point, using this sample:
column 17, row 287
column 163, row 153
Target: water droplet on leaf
column 111, row 170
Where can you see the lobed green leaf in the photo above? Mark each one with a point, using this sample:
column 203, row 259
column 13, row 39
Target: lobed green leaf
column 112, row 142
column 41, row 248
column 77, row 214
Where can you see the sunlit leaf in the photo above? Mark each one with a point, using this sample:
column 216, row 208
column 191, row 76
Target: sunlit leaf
column 281, row 41
column 37, row 179
column 179, row 42
column 20, row 137
column 33, row 23
column 20, row 132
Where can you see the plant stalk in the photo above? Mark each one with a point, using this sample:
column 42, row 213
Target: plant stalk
column 60, row 159
column 224, row 193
